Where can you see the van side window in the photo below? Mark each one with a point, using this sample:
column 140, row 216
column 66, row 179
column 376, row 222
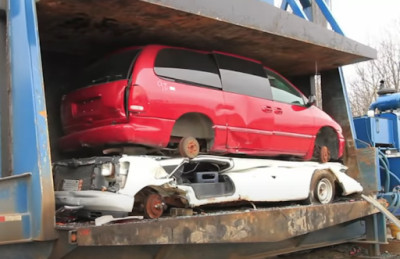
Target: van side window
column 282, row 91
column 188, row 67
column 243, row 76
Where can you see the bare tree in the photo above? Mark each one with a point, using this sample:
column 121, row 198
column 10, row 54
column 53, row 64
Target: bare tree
column 363, row 89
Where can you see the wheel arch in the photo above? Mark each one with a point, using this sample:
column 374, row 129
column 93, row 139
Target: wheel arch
column 193, row 124
column 317, row 175
column 327, row 136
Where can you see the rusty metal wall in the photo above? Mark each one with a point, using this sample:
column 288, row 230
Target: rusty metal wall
column 335, row 103
column 368, row 165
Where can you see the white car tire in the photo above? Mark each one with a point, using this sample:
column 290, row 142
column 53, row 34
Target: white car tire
column 322, row 188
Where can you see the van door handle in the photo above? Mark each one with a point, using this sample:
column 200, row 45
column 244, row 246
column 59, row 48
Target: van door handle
column 278, row 111
column 266, row 108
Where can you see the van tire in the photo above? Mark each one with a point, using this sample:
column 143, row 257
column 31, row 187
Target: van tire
column 322, row 154
column 326, row 145
column 189, row 147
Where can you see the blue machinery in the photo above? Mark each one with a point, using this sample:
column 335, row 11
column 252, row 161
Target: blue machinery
column 382, row 131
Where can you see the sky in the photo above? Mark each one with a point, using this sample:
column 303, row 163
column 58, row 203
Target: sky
column 365, row 21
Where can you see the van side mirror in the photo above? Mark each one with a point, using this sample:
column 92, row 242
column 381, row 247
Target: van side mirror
column 311, row 100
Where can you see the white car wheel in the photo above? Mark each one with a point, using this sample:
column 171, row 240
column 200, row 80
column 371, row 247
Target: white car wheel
column 324, row 191
column 322, row 188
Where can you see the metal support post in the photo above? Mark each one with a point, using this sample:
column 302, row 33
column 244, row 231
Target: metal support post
column 3, row 83
column 34, row 195
column 375, row 231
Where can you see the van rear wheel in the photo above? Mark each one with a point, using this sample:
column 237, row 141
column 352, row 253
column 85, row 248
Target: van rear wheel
column 189, row 147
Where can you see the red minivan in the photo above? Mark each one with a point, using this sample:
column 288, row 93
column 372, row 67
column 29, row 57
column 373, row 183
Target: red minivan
column 166, row 98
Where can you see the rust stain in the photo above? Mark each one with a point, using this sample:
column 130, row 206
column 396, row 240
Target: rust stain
column 43, row 113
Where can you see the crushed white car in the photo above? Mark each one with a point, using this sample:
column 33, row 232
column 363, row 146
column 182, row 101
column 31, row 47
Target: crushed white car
column 150, row 185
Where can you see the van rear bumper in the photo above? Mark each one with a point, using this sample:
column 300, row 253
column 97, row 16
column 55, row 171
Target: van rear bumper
column 144, row 131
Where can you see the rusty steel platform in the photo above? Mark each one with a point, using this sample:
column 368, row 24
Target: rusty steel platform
column 251, row 28
column 264, row 225
column 273, row 227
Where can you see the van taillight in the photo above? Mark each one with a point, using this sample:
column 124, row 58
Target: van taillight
column 137, row 100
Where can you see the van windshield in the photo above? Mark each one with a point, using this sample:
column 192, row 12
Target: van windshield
column 111, row 68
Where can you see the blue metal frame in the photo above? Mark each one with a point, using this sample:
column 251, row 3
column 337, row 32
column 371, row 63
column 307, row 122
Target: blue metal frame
column 301, row 12
column 329, row 17
column 297, row 10
column 33, row 194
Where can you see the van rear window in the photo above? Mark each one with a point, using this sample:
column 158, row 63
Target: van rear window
column 188, row 67
column 113, row 67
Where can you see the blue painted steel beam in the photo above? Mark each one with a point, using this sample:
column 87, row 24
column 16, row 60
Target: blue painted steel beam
column 295, row 7
column 329, row 17
column 30, row 142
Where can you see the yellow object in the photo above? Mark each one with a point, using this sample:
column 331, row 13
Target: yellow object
column 395, row 230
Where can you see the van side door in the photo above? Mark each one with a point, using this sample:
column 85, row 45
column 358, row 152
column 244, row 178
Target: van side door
column 294, row 121
column 189, row 89
column 248, row 105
